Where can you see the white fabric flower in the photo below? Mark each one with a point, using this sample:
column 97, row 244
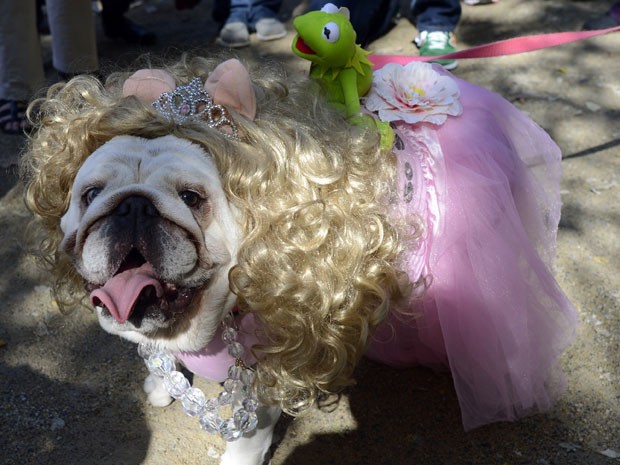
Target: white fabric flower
column 413, row 93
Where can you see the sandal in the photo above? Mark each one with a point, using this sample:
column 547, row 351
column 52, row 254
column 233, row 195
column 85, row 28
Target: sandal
column 13, row 117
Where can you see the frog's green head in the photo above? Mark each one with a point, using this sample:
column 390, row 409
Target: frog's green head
column 325, row 37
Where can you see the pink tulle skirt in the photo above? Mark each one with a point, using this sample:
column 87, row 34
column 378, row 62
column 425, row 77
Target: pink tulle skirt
column 485, row 185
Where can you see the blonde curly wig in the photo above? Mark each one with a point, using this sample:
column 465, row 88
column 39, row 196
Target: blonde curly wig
column 318, row 266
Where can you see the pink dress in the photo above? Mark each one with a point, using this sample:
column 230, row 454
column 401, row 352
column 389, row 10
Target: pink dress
column 486, row 186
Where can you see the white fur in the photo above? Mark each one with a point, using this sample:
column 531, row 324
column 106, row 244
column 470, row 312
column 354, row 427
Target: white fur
column 156, row 392
column 252, row 449
column 199, row 251
column 158, row 169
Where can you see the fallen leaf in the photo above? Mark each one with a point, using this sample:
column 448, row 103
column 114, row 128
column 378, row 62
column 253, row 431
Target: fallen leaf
column 569, row 446
column 610, row 453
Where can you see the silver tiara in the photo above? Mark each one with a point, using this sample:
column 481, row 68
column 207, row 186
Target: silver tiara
column 191, row 102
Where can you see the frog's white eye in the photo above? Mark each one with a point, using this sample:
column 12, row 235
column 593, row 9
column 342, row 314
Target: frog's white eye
column 331, row 32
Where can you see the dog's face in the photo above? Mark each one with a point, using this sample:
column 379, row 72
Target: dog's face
column 152, row 234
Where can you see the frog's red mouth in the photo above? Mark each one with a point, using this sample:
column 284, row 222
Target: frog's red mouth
column 303, row 47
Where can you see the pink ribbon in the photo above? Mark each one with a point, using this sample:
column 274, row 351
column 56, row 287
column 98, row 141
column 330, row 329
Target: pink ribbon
column 499, row 48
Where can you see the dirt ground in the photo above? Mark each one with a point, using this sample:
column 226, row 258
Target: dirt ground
column 70, row 394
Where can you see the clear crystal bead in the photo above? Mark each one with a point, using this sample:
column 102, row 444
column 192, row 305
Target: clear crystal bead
column 229, row 335
column 248, row 376
column 211, row 422
column 234, row 372
column 235, row 349
column 245, row 421
column 241, row 418
column 229, row 430
column 230, row 385
column 246, row 391
column 225, row 398
column 212, row 405
column 145, row 350
column 250, row 404
column 193, row 402
column 229, row 320
column 161, row 363
column 176, row 384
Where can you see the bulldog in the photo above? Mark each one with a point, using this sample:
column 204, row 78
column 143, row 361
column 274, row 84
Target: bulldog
column 181, row 198
column 150, row 231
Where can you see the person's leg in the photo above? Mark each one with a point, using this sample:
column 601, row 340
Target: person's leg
column 220, row 11
column 239, row 11
column 435, row 15
column 21, row 65
column 113, row 9
column 74, row 46
column 609, row 19
column 42, row 25
column 117, row 26
column 246, row 15
column 235, row 32
column 260, row 9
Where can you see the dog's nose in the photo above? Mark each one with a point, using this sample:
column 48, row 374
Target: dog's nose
column 136, row 206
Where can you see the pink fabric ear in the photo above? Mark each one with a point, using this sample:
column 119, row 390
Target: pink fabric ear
column 230, row 85
column 148, row 84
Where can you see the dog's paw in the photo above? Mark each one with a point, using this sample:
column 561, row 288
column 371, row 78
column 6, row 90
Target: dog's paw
column 156, row 392
column 245, row 459
column 254, row 448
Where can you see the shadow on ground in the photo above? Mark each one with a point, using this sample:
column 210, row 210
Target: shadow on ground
column 89, row 418
column 412, row 416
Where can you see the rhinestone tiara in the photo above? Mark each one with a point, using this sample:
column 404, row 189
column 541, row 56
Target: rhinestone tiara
column 191, row 102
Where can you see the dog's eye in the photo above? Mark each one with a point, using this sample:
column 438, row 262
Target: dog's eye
column 190, row 198
column 90, row 195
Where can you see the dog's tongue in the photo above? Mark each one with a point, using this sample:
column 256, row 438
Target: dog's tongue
column 120, row 293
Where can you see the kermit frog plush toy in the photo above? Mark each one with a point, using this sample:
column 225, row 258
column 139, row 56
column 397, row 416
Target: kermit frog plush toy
column 327, row 39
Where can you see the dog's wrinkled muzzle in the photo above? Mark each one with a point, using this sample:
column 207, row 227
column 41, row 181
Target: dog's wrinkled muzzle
column 136, row 290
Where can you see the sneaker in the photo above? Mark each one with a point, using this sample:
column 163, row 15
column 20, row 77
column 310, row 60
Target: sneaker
column 269, row 29
column 234, row 35
column 437, row 43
